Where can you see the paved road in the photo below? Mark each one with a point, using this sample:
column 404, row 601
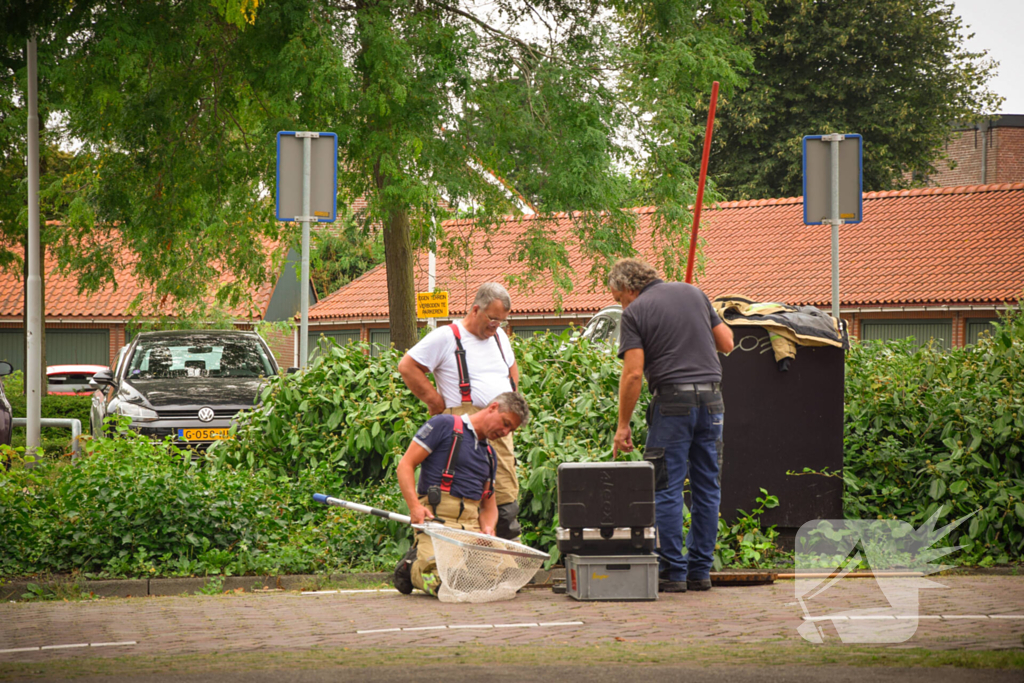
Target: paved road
column 971, row 613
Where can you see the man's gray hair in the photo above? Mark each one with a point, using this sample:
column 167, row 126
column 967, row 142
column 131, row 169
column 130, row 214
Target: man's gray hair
column 514, row 402
column 630, row 275
column 488, row 292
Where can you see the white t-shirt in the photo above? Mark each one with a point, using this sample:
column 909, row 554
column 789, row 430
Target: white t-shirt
column 488, row 372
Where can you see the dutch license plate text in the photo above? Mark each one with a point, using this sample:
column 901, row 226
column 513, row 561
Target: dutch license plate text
column 204, row 434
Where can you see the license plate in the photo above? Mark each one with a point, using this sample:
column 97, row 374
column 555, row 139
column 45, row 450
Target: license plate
column 204, row 434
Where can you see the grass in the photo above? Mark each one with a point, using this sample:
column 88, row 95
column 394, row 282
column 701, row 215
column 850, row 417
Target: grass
column 555, row 655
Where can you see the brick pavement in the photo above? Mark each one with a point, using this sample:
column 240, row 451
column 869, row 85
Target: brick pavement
column 291, row 621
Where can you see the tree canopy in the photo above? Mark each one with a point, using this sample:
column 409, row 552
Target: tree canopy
column 174, row 107
column 895, row 71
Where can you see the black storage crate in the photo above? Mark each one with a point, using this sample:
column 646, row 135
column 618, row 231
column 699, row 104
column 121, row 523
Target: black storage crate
column 605, row 495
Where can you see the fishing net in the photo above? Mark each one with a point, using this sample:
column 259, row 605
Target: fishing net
column 475, row 567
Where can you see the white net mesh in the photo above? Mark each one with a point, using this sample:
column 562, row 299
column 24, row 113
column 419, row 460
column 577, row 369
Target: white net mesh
column 479, row 568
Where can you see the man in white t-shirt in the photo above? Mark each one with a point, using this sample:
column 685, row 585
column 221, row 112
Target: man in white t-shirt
column 470, row 370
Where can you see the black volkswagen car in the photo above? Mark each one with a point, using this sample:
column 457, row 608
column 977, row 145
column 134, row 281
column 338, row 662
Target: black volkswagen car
column 185, row 383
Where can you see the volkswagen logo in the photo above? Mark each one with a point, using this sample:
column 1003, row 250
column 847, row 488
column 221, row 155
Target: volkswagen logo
column 205, row 414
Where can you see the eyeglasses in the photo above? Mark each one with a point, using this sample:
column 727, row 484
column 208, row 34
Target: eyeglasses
column 494, row 322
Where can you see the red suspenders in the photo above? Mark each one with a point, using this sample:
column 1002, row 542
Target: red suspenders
column 460, row 363
column 448, row 475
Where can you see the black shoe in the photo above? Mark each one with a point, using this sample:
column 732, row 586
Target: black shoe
column 666, row 586
column 698, row 584
column 403, row 572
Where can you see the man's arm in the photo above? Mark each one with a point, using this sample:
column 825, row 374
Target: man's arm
column 723, row 337
column 414, row 455
column 513, row 372
column 488, row 516
column 630, row 384
column 415, row 377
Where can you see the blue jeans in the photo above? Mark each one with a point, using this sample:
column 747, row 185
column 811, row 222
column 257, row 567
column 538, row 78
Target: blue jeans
column 684, row 439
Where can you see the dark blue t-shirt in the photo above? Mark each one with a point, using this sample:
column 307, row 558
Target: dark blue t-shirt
column 671, row 322
column 475, row 467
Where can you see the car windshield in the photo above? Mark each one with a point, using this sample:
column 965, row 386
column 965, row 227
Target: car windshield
column 191, row 357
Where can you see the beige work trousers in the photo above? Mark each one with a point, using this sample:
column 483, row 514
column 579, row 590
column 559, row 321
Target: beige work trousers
column 506, row 481
column 458, row 513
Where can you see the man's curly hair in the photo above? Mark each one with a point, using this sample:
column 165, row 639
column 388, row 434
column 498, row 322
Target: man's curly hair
column 630, row 275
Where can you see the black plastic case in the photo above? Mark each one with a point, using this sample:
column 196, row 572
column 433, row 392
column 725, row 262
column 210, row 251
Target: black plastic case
column 605, row 495
column 621, row 541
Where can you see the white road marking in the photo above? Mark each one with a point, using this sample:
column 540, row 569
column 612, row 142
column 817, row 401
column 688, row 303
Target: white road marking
column 1006, row 616
column 425, row 628
column 61, row 647
column 126, row 642
column 69, row 645
column 470, row 626
column 20, row 649
column 862, row 617
column 871, row 616
column 964, row 616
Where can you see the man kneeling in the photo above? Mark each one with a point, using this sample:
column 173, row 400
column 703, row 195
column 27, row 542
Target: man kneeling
column 456, row 484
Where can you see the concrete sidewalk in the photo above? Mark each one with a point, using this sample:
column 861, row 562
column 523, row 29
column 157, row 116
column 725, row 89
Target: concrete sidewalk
column 974, row 613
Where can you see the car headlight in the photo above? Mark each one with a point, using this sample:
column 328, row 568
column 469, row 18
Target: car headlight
column 128, row 402
column 136, row 412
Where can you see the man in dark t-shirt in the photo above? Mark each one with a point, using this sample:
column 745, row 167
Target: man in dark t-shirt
column 671, row 334
column 456, row 483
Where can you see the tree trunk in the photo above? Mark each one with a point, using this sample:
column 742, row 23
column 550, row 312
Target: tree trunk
column 398, row 259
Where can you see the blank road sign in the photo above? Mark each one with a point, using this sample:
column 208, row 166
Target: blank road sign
column 323, row 177
column 818, row 179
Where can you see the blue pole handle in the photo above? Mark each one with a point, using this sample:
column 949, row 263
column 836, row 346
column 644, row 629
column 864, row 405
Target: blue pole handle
column 320, row 498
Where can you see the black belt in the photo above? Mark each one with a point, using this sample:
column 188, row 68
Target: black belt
column 686, row 388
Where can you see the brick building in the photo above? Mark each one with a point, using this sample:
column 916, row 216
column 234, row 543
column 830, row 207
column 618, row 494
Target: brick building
column 991, row 151
column 935, row 263
column 91, row 328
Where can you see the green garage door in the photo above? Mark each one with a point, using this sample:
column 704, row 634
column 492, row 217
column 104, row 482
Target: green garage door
column 379, row 340
column 532, row 330
column 922, row 331
column 12, row 348
column 76, row 347
column 976, row 328
column 318, row 340
column 63, row 347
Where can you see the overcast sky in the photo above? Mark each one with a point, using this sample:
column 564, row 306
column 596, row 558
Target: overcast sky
column 997, row 26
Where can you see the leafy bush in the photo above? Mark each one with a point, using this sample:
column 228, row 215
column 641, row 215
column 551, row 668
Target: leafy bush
column 929, row 430
column 348, row 410
column 133, row 507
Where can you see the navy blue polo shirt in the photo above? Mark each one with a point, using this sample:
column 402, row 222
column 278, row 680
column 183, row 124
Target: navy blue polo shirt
column 475, row 467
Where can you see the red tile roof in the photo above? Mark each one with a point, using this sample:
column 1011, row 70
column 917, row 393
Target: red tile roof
column 63, row 300
column 928, row 246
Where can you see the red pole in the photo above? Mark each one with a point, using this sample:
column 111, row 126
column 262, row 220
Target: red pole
column 700, row 185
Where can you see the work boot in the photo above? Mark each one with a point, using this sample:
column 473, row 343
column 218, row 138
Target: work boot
column 403, row 572
column 698, row 584
column 671, row 586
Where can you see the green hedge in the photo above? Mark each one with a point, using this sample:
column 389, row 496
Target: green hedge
column 55, row 441
column 925, row 430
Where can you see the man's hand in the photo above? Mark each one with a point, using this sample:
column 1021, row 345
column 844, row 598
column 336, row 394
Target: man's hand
column 489, row 530
column 623, row 441
column 420, row 514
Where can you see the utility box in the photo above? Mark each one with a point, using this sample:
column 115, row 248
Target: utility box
column 611, row 577
column 782, row 421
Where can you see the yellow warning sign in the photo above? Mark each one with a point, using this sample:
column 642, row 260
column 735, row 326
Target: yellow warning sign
column 432, row 304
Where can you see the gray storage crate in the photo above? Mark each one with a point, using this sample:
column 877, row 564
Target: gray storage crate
column 611, row 577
